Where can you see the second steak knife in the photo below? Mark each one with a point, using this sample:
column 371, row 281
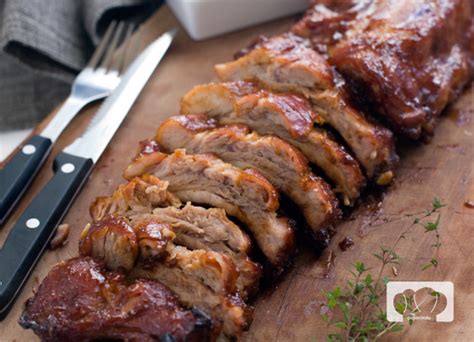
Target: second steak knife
column 32, row 231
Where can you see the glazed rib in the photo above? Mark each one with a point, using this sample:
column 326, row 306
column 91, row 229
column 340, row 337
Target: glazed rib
column 232, row 311
column 284, row 166
column 287, row 116
column 244, row 194
column 152, row 241
column 409, row 58
column 195, row 227
column 80, row 301
column 199, row 228
column 287, row 63
column 112, row 240
column 213, row 272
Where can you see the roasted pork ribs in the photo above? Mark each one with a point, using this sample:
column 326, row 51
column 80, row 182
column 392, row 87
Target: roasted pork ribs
column 169, row 256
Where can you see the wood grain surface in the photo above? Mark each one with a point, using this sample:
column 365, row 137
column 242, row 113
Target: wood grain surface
column 289, row 309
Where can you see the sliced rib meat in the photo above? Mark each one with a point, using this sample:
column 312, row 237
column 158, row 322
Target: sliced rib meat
column 151, row 240
column 287, row 63
column 287, row 116
column 235, row 315
column 80, row 301
column 195, row 227
column 200, row 228
column 139, row 195
column 112, row 240
column 210, row 272
column 246, row 195
column 284, row 166
column 409, row 58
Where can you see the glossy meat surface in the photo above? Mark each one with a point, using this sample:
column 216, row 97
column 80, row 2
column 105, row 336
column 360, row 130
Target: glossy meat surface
column 288, row 63
column 112, row 240
column 194, row 227
column 410, row 57
column 213, row 273
column 284, row 115
column 80, row 301
column 283, row 165
column 245, row 194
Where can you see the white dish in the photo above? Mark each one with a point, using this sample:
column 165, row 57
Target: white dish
column 208, row 18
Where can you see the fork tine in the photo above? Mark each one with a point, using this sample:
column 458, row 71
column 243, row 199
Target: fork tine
column 133, row 48
column 109, row 54
column 129, row 48
column 99, row 51
column 118, row 60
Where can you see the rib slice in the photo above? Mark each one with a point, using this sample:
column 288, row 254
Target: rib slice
column 80, row 301
column 408, row 58
column 199, row 228
column 287, row 116
column 247, row 195
column 287, row 63
column 191, row 292
column 152, row 240
column 210, row 272
column 139, row 195
column 195, row 227
column 284, row 166
column 112, row 240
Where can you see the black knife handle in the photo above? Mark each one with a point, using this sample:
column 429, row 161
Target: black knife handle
column 20, row 171
column 33, row 230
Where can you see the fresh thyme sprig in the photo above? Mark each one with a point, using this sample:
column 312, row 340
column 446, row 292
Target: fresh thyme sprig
column 355, row 310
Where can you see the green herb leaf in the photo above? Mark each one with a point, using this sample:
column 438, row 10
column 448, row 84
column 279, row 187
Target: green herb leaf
column 437, row 204
column 360, row 267
column 430, row 226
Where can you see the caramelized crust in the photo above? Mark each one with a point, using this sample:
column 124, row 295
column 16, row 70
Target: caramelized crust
column 152, row 241
column 112, row 240
column 244, row 194
column 287, row 116
column 287, row 63
column 154, row 238
column 234, row 314
column 80, row 301
column 409, row 58
column 285, row 167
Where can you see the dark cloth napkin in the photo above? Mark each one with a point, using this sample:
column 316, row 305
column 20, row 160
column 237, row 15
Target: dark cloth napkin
column 44, row 44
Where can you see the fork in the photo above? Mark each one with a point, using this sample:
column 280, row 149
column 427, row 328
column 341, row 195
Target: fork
column 96, row 81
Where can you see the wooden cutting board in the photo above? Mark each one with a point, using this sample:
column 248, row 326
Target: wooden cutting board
column 289, row 308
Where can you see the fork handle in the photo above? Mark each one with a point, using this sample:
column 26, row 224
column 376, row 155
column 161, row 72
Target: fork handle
column 18, row 173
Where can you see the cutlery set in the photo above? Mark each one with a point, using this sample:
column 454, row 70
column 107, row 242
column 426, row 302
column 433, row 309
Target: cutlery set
column 106, row 76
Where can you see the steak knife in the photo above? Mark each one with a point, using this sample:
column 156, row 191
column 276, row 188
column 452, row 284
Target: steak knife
column 33, row 230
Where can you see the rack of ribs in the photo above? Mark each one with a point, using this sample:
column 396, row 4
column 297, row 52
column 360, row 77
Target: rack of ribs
column 300, row 114
column 288, row 63
column 288, row 116
column 244, row 194
column 284, row 166
column 410, row 58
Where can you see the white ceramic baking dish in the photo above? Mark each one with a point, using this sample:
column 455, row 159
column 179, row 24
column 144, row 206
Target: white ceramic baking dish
column 208, row 18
